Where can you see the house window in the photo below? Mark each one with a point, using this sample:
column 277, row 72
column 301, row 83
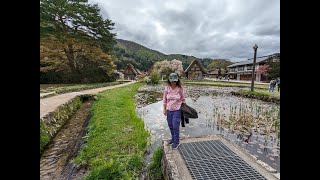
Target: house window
column 249, row 67
column 240, row 68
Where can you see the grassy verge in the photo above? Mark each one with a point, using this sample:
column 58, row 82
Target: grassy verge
column 264, row 93
column 44, row 136
column 63, row 88
column 154, row 169
column 225, row 84
column 116, row 139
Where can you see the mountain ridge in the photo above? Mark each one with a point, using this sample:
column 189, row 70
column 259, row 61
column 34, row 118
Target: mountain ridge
column 143, row 57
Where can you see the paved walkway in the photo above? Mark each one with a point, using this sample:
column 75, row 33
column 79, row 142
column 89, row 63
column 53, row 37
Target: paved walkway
column 51, row 103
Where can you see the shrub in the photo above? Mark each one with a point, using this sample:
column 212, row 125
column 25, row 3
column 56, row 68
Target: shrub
column 147, row 80
column 154, row 77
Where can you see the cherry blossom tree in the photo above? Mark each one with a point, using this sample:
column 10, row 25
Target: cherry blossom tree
column 166, row 67
column 263, row 70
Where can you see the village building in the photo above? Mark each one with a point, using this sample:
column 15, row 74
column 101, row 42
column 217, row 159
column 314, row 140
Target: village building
column 131, row 73
column 195, row 70
column 243, row 70
column 213, row 73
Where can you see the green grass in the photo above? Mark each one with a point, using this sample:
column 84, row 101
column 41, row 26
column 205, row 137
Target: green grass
column 116, row 139
column 259, row 92
column 63, row 88
column 154, row 169
column 225, row 84
column 44, row 137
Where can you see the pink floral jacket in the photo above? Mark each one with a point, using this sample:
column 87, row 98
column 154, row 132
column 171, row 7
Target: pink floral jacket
column 173, row 98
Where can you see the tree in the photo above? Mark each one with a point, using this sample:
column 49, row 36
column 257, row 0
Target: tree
column 263, row 69
column 219, row 63
column 176, row 66
column 166, row 67
column 154, row 77
column 274, row 69
column 77, row 27
column 222, row 72
column 93, row 64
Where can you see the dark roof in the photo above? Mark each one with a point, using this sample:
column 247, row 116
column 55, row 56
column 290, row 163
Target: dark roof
column 199, row 64
column 250, row 61
column 136, row 71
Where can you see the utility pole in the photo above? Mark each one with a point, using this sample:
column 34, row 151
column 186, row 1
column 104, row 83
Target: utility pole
column 255, row 47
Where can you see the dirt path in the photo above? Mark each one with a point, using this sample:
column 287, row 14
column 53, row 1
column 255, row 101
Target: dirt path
column 51, row 103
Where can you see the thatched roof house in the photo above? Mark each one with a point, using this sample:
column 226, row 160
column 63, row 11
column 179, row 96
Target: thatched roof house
column 195, row 70
column 130, row 72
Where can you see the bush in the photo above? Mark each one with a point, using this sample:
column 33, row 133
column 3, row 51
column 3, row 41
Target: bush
column 154, row 77
column 147, row 80
column 141, row 78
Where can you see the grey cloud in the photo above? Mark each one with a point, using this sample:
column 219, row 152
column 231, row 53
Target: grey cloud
column 273, row 30
column 204, row 29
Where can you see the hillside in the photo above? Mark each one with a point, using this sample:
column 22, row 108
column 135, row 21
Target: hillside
column 143, row 58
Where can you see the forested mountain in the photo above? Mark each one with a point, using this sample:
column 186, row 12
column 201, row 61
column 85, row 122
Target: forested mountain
column 143, row 58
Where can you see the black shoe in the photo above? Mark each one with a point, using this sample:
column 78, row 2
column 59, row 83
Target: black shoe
column 170, row 142
column 175, row 145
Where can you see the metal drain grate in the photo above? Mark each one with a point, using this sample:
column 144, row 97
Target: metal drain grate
column 214, row 160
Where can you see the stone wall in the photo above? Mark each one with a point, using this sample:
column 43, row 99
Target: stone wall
column 168, row 166
column 51, row 123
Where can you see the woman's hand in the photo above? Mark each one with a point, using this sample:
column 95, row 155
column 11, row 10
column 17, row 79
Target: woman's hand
column 164, row 112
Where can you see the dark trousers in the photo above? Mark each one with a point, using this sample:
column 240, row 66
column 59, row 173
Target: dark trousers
column 173, row 119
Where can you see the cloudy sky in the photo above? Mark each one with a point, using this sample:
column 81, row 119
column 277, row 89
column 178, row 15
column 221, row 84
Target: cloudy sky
column 202, row 28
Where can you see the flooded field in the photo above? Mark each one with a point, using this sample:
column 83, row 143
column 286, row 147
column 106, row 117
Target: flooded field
column 252, row 124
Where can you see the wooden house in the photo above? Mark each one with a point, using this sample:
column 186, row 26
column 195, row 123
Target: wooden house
column 195, row 70
column 131, row 73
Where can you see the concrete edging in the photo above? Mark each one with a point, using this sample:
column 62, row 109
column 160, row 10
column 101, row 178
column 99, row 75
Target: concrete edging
column 174, row 167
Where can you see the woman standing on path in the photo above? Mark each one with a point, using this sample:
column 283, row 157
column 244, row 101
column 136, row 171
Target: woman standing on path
column 173, row 97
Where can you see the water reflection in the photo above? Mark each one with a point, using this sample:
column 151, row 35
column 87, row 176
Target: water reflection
column 214, row 114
